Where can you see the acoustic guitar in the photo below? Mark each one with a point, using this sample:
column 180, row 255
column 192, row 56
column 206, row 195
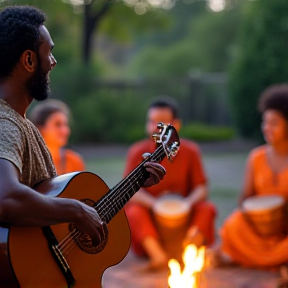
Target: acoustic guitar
column 59, row 255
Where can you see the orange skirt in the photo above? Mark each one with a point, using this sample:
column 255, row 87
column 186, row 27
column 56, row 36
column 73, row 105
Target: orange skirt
column 246, row 247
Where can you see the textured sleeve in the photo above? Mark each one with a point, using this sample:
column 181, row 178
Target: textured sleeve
column 11, row 143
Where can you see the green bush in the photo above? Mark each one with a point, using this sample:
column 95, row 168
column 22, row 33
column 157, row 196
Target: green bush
column 115, row 112
column 201, row 132
column 107, row 117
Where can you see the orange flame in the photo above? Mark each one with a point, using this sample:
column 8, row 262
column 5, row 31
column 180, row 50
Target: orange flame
column 194, row 261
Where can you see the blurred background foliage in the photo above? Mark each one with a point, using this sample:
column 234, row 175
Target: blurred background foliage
column 261, row 60
column 214, row 57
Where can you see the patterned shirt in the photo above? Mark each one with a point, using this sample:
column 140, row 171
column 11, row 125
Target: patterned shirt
column 22, row 144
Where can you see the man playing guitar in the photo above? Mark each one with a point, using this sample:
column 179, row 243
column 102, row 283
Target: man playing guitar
column 26, row 61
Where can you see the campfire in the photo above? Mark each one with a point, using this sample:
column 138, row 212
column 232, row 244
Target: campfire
column 193, row 260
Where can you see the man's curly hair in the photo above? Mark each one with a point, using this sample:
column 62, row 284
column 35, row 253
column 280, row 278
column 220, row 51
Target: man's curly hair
column 19, row 31
column 275, row 97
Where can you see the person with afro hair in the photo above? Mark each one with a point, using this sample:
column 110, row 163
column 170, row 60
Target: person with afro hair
column 266, row 173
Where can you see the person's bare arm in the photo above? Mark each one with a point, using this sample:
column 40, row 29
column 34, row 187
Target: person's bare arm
column 199, row 194
column 144, row 198
column 248, row 187
column 23, row 206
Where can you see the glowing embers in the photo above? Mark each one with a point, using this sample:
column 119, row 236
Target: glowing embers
column 194, row 260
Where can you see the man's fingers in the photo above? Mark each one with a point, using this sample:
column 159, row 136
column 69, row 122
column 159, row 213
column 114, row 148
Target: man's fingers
column 155, row 168
column 154, row 178
column 103, row 231
column 156, row 172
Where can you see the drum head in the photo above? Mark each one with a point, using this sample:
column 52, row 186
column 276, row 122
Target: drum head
column 265, row 214
column 262, row 203
column 171, row 206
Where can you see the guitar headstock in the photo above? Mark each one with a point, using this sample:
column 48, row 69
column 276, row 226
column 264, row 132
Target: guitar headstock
column 168, row 138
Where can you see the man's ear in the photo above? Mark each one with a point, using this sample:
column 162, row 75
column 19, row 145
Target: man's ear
column 29, row 60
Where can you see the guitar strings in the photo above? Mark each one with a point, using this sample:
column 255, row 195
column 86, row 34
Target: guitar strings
column 65, row 241
column 113, row 197
column 68, row 246
column 134, row 174
column 68, row 242
column 69, row 239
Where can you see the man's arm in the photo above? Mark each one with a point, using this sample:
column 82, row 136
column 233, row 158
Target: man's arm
column 144, row 198
column 200, row 193
column 23, row 206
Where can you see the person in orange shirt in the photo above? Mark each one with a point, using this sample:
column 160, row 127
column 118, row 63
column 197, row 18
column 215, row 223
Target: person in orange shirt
column 266, row 173
column 52, row 119
column 185, row 176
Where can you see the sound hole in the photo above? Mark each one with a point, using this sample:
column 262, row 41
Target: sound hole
column 84, row 241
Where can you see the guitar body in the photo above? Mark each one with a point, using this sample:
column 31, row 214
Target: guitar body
column 31, row 259
column 59, row 256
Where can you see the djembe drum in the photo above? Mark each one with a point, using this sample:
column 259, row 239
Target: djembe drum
column 171, row 214
column 266, row 214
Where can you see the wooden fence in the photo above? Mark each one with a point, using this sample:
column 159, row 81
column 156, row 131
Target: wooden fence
column 202, row 98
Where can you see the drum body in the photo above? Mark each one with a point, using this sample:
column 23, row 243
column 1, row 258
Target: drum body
column 171, row 214
column 266, row 214
column 171, row 210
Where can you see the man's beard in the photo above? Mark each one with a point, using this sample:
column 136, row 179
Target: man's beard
column 38, row 85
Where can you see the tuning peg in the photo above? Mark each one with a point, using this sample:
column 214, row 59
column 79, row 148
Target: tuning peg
column 174, row 148
column 146, row 155
column 156, row 138
column 175, row 145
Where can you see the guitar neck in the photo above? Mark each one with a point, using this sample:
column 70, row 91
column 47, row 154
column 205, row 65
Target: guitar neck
column 109, row 205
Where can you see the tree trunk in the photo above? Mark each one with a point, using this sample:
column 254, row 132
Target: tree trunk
column 91, row 23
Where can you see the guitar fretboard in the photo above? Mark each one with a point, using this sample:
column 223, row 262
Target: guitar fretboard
column 109, row 205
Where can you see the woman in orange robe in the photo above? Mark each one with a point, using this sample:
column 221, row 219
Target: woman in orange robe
column 52, row 119
column 266, row 173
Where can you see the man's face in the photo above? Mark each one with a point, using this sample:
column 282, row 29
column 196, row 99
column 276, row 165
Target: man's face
column 39, row 84
column 156, row 115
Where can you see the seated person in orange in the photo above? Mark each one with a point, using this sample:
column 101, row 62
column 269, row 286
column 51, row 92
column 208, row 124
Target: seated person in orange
column 266, row 173
column 52, row 119
column 185, row 176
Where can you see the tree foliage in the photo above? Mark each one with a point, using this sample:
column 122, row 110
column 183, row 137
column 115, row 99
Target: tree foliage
column 118, row 113
column 206, row 45
column 113, row 18
column 262, row 60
